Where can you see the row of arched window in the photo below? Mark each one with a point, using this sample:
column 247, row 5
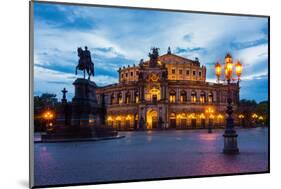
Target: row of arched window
column 203, row 97
column 127, row 99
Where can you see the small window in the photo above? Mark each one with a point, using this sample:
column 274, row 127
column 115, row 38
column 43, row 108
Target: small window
column 132, row 73
column 180, row 71
column 199, row 74
column 172, row 98
column 194, row 73
column 173, row 71
column 126, row 74
column 122, row 75
column 187, row 72
column 137, row 72
column 193, row 96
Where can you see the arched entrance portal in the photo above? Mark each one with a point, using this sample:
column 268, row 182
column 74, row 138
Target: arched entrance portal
column 151, row 119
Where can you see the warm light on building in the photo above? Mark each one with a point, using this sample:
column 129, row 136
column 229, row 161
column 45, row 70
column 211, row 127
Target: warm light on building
column 144, row 89
column 128, row 117
column 193, row 99
column 202, row 116
column 109, row 118
column 241, row 116
column 172, row 98
column 220, row 116
column 255, row 116
column 202, row 99
column 209, row 110
column 118, row 118
column 260, row 118
column 181, row 116
column 181, row 98
column 192, row 116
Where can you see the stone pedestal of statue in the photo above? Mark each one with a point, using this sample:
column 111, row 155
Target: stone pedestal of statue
column 85, row 109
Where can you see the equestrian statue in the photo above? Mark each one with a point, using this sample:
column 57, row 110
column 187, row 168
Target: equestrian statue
column 85, row 62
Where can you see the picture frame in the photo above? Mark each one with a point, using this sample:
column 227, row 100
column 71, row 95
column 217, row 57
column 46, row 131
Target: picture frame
column 163, row 101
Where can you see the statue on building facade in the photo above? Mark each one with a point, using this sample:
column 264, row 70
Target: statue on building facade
column 141, row 63
column 153, row 57
column 85, row 62
column 169, row 50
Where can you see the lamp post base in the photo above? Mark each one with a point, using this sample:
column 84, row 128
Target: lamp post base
column 230, row 144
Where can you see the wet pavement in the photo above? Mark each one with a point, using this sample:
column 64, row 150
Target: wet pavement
column 149, row 155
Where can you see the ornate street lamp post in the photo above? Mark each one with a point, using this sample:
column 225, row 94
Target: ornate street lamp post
column 48, row 116
column 230, row 135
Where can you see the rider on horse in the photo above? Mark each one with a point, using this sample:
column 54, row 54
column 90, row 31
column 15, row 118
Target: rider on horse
column 85, row 62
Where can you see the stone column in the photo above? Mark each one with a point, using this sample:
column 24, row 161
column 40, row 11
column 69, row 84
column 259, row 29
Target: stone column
column 188, row 93
column 177, row 95
column 115, row 101
column 167, row 94
column 198, row 95
column 132, row 100
column 123, row 96
column 214, row 96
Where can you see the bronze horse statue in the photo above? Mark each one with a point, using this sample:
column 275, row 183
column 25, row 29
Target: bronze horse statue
column 85, row 62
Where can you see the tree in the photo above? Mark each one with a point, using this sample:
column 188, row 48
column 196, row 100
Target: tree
column 249, row 107
column 41, row 103
column 45, row 100
column 262, row 110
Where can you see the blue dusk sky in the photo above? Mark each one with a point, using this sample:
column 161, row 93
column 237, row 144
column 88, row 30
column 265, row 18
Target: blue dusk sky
column 119, row 37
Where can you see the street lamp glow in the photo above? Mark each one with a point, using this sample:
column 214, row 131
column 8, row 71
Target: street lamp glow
column 48, row 115
column 218, row 70
column 239, row 69
column 228, row 66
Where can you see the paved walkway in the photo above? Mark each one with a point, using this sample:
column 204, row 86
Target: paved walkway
column 146, row 155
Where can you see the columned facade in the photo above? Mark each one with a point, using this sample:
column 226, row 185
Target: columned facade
column 170, row 94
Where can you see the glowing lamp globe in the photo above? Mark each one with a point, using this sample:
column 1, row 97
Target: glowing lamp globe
column 239, row 69
column 218, row 69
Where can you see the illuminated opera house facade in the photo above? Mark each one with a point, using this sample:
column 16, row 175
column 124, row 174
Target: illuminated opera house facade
column 165, row 92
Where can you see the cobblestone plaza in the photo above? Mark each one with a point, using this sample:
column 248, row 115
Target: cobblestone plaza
column 147, row 155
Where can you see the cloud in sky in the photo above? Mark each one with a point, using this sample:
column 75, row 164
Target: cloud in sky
column 119, row 37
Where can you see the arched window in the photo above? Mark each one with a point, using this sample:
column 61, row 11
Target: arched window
column 183, row 97
column 172, row 96
column 210, row 97
column 127, row 97
column 137, row 97
column 119, row 98
column 173, row 123
column 193, row 96
column 112, row 99
column 202, row 97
